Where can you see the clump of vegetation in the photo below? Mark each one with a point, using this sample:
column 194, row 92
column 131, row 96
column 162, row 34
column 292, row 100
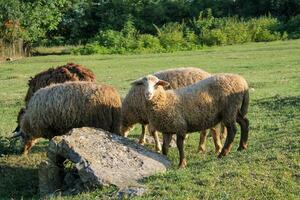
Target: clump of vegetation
column 206, row 30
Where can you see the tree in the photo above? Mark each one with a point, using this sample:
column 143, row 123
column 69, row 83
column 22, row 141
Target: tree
column 32, row 19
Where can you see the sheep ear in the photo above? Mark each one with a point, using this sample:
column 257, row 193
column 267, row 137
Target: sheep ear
column 138, row 82
column 165, row 84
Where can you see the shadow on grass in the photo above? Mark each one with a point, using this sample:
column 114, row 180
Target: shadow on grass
column 277, row 103
column 13, row 147
column 18, row 182
column 37, row 53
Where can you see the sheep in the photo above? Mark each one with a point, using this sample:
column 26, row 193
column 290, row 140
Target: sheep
column 68, row 72
column 220, row 98
column 57, row 108
column 134, row 105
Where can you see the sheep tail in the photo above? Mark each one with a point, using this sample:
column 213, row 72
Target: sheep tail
column 245, row 104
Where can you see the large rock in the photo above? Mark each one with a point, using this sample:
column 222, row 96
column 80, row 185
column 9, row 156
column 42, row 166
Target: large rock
column 86, row 158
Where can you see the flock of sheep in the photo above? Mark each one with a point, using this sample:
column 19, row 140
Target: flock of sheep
column 175, row 101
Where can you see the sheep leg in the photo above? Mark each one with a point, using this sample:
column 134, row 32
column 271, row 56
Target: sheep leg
column 167, row 137
column 231, row 131
column 142, row 138
column 217, row 139
column 180, row 146
column 202, row 141
column 154, row 134
column 28, row 145
column 244, row 124
column 223, row 133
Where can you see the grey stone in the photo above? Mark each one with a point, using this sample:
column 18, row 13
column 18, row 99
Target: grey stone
column 87, row 158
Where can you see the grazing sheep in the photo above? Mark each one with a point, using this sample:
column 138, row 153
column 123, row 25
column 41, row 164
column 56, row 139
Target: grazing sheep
column 134, row 104
column 220, row 98
column 61, row 74
column 56, row 109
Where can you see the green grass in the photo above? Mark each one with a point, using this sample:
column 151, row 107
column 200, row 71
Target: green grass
column 269, row 169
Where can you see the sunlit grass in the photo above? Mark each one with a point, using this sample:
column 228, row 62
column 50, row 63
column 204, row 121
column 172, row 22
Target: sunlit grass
column 269, row 169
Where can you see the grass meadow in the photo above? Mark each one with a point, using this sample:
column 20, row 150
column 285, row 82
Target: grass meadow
column 269, row 169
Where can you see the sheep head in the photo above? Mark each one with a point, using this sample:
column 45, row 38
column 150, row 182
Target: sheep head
column 151, row 83
column 27, row 140
column 17, row 129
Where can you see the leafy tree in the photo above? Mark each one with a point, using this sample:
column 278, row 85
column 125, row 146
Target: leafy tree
column 32, row 19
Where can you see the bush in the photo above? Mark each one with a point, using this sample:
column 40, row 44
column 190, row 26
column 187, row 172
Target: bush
column 109, row 39
column 171, row 36
column 89, row 49
column 292, row 27
column 264, row 29
column 205, row 30
column 232, row 30
column 214, row 37
column 149, row 43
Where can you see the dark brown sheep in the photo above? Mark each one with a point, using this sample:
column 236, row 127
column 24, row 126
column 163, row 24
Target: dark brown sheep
column 61, row 74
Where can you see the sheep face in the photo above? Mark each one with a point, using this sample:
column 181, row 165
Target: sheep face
column 150, row 83
column 125, row 130
column 20, row 115
column 25, row 140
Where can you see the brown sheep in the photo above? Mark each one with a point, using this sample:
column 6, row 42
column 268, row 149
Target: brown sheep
column 61, row 74
column 56, row 109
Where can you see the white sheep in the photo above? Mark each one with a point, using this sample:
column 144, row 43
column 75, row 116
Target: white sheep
column 222, row 98
column 134, row 105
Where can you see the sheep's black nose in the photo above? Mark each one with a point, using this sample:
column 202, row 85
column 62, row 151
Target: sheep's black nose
column 17, row 129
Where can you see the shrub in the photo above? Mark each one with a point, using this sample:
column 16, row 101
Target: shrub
column 232, row 30
column 263, row 29
column 171, row 36
column 149, row 43
column 205, row 30
column 293, row 27
column 214, row 37
column 203, row 23
column 236, row 31
column 109, row 39
column 89, row 49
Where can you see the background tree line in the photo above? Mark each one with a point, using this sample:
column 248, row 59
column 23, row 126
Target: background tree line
column 60, row 22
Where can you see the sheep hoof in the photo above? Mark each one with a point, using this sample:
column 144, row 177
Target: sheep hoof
column 223, row 153
column 141, row 142
column 24, row 152
column 242, row 147
column 182, row 164
column 201, row 151
column 218, row 150
column 158, row 150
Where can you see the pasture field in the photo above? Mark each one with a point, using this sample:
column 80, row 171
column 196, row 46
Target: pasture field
column 269, row 169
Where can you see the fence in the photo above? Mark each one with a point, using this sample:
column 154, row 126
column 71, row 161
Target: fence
column 13, row 49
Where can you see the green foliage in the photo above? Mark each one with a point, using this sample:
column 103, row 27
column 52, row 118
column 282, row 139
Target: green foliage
column 85, row 18
column 109, row 38
column 171, row 36
column 264, row 29
column 149, row 43
column 92, row 48
column 293, row 27
column 232, row 30
column 31, row 19
column 206, row 30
